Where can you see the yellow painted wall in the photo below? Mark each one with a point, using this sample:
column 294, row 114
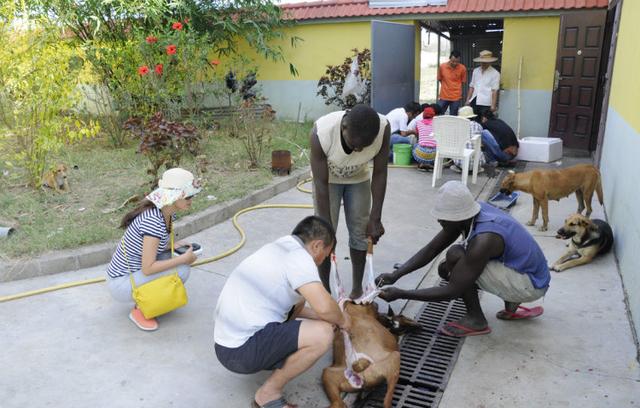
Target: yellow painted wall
column 322, row 45
column 536, row 40
column 625, row 87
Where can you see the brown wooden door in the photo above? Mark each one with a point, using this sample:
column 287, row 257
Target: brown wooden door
column 576, row 78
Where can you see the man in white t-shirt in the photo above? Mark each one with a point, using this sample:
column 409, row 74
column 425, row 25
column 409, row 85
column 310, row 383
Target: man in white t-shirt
column 342, row 145
column 398, row 119
column 484, row 85
column 255, row 319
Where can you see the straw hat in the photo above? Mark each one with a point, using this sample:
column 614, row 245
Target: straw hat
column 466, row 112
column 175, row 184
column 454, row 202
column 485, row 56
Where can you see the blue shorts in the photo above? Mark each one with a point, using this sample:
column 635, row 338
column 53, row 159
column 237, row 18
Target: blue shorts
column 267, row 349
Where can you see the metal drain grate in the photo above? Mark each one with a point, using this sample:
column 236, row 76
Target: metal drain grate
column 427, row 359
column 403, row 396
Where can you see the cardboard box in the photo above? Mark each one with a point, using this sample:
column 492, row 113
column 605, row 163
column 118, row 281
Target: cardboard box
column 540, row 149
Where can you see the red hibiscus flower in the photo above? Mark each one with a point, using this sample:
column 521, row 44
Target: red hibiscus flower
column 177, row 26
column 186, row 21
column 215, row 62
column 159, row 69
column 143, row 70
column 171, row 49
column 151, row 39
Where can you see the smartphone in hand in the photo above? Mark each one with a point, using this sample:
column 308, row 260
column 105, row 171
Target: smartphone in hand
column 197, row 249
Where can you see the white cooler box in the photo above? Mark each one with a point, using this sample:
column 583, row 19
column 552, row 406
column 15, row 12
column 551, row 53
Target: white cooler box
column 540, row 149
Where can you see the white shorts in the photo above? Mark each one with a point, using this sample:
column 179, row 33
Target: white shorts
column 508, row 284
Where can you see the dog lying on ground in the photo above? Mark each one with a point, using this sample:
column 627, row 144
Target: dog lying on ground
column 56, row 178
column 372, row 335
column 545, row 185
column 589, row 238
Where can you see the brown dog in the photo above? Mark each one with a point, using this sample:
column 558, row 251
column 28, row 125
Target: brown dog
column 369, row 336
column 588, row 239
column 56, row 178
column 545, row 185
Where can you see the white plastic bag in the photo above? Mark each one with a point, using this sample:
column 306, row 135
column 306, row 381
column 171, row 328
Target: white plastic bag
column 370, row 290
column 337, row 290
column 353, row 84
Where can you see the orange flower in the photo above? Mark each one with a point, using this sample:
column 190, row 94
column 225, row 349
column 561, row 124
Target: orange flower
column 151, row 39
column 158, row 69
column 177, row 26
column 215, row 62
column 143, row 70
column 171, row 49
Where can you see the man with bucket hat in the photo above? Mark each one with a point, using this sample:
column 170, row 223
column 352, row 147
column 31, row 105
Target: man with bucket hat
column 497, row 254
column 484, row 85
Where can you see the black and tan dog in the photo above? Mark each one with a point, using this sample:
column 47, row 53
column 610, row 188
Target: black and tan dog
column 545, row 185
column 589, row 238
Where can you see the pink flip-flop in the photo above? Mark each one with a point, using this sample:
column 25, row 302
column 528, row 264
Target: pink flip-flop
column 521, row 313
column 466, row 331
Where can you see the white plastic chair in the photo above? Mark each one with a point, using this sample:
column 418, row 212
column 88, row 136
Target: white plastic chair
column 452, row 134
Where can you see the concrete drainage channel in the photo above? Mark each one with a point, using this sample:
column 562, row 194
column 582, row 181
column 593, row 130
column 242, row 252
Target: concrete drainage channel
column 427, row 359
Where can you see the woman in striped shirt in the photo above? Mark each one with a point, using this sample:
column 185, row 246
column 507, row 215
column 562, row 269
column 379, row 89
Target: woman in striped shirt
column 144, row 251
column 424, row 151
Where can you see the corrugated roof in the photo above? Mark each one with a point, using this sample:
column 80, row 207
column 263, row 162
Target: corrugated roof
column 360, row 8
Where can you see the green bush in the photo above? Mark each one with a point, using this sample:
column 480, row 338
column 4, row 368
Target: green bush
column 38, row 91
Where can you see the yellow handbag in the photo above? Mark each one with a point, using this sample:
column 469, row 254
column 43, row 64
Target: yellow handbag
column 158, row 296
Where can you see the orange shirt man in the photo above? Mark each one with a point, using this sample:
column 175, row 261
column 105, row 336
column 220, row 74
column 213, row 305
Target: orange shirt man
column 451, row 74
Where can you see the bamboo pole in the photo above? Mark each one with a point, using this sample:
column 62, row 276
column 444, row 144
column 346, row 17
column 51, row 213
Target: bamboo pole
column 519, row 96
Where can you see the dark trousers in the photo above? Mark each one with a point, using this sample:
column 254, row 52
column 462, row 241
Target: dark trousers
column 479, row 109
column 452, row 105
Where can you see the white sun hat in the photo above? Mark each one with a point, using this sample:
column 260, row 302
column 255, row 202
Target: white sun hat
column 466, row 112
column 175, row 184
column 485, row 56
column 454, row 202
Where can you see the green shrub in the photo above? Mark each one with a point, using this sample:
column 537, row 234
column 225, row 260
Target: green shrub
column 38, row 91
column 163, row 142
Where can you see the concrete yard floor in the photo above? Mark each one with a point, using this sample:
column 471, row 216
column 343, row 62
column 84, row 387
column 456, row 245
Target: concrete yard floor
column 77, row 348
column 579, row 353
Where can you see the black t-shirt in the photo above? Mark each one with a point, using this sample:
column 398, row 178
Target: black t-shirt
column 503, row 134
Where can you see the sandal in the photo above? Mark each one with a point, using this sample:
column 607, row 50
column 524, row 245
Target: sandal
column 277, row 403
column 520, row 313
column 464, row 330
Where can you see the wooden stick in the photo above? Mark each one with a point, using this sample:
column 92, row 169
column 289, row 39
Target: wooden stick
column 519, row 98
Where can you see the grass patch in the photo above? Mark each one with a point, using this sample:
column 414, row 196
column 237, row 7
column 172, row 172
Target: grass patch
column 105, row 177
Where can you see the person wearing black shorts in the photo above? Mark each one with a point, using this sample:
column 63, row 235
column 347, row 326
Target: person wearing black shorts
column 256, row 325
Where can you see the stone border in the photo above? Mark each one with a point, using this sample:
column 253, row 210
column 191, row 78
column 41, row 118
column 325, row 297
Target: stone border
column 93, row 255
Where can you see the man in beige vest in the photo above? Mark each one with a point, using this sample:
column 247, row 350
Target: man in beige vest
column 342, row 144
